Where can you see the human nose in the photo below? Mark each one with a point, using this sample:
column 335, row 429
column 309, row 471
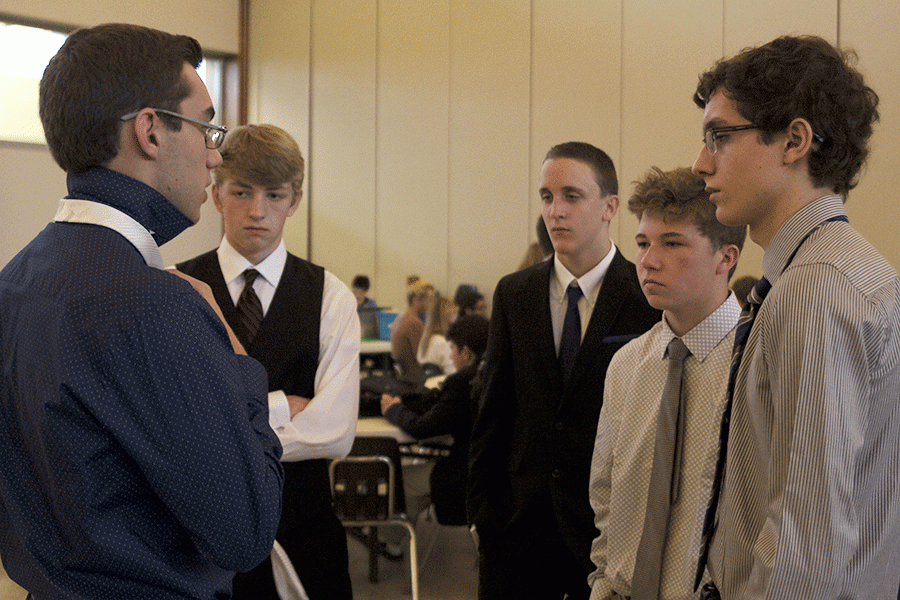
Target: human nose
column 213, row 159
column 648, row 258
column 704, row 164
column 257, row 206
column 555, row 208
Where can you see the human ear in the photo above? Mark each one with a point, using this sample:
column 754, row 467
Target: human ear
column 799, row 140
column 146, row 126
column 730, row 256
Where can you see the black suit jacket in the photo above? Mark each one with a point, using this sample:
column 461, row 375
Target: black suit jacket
column 533, row 439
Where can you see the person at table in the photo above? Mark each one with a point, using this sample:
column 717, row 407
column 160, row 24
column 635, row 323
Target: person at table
column 451, row 411
column 137, row 457
column 305, row 332
column 406, row 333
column 360, row 289
column 543, row 387
column 434, row 349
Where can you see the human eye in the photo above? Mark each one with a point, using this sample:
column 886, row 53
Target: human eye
column 546, row 197
column 642, row 244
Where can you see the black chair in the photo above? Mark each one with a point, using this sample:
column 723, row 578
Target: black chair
column 367, row 487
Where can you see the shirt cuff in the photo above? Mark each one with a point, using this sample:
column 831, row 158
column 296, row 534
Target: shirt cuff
column 279, row 410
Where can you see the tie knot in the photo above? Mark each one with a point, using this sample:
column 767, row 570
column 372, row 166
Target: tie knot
column 250, row 276
column 677, row 350
column 574, row 293
column 759, row 291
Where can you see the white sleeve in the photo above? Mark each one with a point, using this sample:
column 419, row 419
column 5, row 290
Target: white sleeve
column 327, row 426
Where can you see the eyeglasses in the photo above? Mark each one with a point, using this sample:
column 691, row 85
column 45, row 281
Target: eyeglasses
column 712, row 135
column 214, row 134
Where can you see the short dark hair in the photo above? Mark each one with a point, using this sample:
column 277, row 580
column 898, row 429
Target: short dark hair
column 680, row 195
column 264, row 155
column 105, row 72
column 802, row 77
column 361, row 282
column 466, row 297
column 599, row 162
column 470, row 331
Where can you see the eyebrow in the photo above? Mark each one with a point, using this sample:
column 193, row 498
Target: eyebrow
column 714, row 123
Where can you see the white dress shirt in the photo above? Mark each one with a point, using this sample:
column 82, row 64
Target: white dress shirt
column 589, row 283
column 624, row 447
column 327, row 426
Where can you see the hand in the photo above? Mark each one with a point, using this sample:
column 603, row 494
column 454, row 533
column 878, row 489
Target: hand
column 204, row 290
column 387, row 401
column 297, row 404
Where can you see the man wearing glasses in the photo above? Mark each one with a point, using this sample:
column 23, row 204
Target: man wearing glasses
column 810, row 501
column 138, row 461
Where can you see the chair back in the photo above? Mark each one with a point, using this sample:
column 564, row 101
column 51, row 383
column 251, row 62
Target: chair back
column 367, row 485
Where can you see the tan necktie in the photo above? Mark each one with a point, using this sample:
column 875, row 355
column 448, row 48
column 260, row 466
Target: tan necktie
column 664, row 479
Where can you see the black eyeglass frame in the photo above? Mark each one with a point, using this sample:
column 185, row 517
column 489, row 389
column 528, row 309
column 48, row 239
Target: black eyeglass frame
column 214, row 135
column 711, row 135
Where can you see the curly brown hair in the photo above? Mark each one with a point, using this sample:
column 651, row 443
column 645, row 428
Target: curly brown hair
column 802, row 77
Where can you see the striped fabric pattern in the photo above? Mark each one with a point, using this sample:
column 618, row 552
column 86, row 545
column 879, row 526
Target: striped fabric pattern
column 811, row 502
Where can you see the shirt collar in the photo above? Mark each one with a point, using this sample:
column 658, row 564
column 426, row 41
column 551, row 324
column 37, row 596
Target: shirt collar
column 703, row 338
column 134, row 198
column 587, row 282
column 234, row 264
column 795, row 229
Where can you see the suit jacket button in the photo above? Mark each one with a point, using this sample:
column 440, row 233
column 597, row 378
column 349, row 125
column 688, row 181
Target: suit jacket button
column 559, row 426
column 556, row 474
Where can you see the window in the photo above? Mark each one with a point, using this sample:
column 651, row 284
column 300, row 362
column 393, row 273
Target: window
column 25, row 52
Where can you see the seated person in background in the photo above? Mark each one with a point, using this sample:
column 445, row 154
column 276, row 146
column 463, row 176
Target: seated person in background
column 406, row 332
column 742, row 287
column 360, row 287
column 434, row 349
column 649, row 509
column 451, row 411
column 469, row 300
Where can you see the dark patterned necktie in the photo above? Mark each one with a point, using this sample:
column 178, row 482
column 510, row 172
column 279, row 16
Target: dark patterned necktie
column 741, row 333
column 571, row 333
column 664, row 479
column 249, row 310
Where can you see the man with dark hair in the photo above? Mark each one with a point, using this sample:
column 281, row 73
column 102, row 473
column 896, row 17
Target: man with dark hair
column 650, row 483
column 810, row 502
column 360, row 287
column 554, row 328
column 307, row 335
column 138, row 461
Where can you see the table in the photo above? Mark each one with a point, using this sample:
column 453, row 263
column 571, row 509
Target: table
column 381, row 427
column 375, row 355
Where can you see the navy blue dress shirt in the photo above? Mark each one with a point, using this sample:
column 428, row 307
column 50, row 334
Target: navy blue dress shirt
column 137, row 458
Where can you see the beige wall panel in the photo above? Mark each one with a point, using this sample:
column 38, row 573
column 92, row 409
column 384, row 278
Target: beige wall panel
column 871, row 29
column 576, row 82
column 489, row 141
column 343, row 134
column 660, row 62
column 754, row 23
column 214, row 23
column 412, row 145
column 278, row 88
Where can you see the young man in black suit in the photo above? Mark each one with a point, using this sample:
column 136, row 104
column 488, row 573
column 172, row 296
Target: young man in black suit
column 308, row 339
column 542, row 387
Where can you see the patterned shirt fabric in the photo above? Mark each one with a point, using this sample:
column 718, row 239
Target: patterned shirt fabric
column 810, row 506
column 623, row 451
column 137, row 457
column 327, row 426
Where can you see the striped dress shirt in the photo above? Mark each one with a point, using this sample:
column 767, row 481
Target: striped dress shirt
column 811, row 500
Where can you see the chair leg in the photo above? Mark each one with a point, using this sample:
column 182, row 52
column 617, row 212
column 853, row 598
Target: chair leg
column 373, row 554
column 413, row 561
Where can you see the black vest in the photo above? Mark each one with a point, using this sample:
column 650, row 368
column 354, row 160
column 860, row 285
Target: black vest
column 287, row 343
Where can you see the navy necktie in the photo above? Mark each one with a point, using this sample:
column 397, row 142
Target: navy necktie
column 250, row 310
column 665, row 475
column 742, row 332
column 571, row 333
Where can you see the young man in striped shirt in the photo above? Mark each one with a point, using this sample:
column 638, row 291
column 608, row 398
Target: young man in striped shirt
column 810, row 503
